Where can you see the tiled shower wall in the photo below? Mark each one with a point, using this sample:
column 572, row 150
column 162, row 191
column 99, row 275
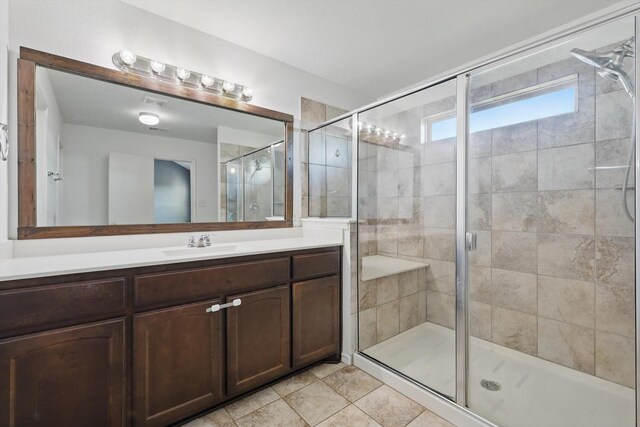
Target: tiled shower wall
column 553, row 272
column 326, row 163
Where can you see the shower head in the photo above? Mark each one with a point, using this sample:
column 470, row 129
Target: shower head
column 609, row 64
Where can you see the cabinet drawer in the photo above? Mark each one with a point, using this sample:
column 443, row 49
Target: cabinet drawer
column 24, row 310
column 196, row 284
column 319, row 264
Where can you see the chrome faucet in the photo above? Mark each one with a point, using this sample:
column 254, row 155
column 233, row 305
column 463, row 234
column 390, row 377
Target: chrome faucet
column 203, row 241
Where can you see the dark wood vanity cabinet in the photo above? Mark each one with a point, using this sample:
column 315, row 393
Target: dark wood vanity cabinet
column 258, row 338
column 138, row 347
column 177, row 363
column 316, row 320
column 67, row 377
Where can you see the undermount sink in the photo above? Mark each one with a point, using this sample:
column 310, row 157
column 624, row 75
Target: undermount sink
column 200, row 251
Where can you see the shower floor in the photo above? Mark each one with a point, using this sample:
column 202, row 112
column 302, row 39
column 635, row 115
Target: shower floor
column 533, row 393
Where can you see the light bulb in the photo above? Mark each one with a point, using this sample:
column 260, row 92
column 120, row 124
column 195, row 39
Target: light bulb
column 247, row 92
column 149, row 119
column 157, row 66
column 207, row 80
column 128, row 57
column 228, row 86
column 183, row 73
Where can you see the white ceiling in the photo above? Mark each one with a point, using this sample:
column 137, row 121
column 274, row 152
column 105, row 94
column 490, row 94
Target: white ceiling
column 89, row 102
column 373, row 46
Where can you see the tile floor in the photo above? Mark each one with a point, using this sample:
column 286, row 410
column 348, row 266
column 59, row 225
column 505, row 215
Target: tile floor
column 327, row 395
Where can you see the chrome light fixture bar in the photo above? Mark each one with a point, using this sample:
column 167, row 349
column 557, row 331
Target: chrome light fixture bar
column 376, row 133
column 126, row 60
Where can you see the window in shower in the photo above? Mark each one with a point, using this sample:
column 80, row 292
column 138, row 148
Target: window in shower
column 543, row 100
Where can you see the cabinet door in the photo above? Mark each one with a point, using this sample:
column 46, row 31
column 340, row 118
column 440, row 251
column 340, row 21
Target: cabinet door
column 177, row 363
column 65, row 377
column 258, row 338
column 316, row 320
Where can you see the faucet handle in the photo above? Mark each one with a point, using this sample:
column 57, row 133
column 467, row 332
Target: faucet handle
column 192, row 242
column 206, row 239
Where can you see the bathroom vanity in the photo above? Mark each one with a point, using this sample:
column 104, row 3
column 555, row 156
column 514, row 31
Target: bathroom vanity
column 150, row 346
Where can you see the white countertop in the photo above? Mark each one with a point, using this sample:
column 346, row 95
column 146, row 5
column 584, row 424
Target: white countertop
column 376, row 266
column 31, row 259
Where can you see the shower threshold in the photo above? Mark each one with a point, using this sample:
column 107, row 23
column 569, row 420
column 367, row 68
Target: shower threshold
column 508, row 387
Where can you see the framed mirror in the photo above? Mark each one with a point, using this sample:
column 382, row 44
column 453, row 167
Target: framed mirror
column 106, row 152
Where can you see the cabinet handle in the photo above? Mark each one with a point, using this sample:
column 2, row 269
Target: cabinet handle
column 217, row 307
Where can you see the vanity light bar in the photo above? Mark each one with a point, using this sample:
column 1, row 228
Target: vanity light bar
column 369, row 130
column 126, row 60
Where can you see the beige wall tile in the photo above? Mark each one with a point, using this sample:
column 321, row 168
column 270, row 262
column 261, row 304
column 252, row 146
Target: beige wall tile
column 515, row 138
column 480, row 320
column 387, row 320
column 514, row 211
column 441, row 276
column 569, row 129
column 514, row 172
column 479, row 207
column 312, row 113
column 410, row 240
column 566, row 168
column 570, row 212
column 610, row 217
column 480, row 284
column 515, row 330
column 439, row 243
column 441, row 309
column 408, row 283
column 439, row 211
column 612, row 153
column 615, row 261
column 409, row 312
column 439, row 179
column 479, row 144
column 367, row 328
column 514, row 251
column 571, row 301
column 479, row 175
column 367, row 294
column 615, row 310
column 514, row 290
column 422, row 306
column 566, row 344
column 567, row 256
column 615, row 358
column 387, row 289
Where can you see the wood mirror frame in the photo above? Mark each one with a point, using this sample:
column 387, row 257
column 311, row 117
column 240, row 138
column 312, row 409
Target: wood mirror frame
column 27, row 226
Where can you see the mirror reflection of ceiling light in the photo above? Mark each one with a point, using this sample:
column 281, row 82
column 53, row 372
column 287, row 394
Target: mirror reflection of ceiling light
column 232, row 170
column 149, row 119
column 126, row 60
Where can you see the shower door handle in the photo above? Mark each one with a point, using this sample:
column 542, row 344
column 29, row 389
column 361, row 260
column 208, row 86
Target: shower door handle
column 472, row 241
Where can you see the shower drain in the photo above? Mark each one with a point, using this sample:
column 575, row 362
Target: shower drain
column 490, row 385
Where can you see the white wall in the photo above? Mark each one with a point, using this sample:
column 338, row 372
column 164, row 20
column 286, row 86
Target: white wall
column 86, row 170
column 4, row 187
column 48, row 131
column 92, row 31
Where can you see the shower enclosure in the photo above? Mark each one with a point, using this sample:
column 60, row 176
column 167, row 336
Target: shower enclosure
column 252, row 185
column 496, row 239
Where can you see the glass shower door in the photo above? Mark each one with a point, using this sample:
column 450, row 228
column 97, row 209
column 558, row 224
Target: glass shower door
column 406, row 232
column 552, row 279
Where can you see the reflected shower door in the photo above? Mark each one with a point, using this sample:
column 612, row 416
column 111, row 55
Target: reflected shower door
column 406, row 232
column 552, row 280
